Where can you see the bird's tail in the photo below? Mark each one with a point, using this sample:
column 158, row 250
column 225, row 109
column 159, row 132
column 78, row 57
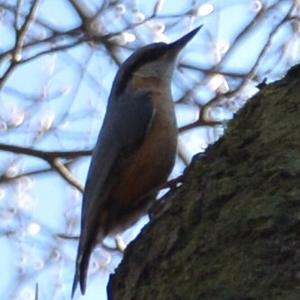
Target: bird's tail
column 81, row 269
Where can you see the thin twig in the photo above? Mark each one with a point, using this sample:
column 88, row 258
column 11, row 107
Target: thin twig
column 23, row 31
column 66, row 174
column 20, row 38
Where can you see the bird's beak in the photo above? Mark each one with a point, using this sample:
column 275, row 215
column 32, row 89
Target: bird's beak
column 180, row 43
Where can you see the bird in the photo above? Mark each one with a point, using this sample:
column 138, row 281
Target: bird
column 135, row 150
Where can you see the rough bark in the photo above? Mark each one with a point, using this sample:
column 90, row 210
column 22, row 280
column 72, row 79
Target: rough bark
column 232, row 231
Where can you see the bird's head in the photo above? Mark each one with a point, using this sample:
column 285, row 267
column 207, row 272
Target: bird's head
column 156, row 60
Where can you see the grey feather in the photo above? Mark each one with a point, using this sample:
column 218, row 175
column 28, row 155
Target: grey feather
column 125, row 125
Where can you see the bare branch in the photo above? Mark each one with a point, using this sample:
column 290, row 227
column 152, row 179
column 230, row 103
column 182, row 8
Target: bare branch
column 46, row 155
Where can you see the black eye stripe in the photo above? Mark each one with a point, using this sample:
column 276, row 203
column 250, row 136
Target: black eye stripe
column 134, row 62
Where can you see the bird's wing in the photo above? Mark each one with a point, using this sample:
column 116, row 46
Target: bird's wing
column 125, row 125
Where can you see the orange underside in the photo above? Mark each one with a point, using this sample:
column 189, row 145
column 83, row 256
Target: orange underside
column 151, row 164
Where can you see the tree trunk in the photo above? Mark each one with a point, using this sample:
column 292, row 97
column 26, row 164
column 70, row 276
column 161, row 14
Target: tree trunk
column 232, row 230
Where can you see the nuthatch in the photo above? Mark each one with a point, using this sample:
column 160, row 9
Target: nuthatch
column 135, row 151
